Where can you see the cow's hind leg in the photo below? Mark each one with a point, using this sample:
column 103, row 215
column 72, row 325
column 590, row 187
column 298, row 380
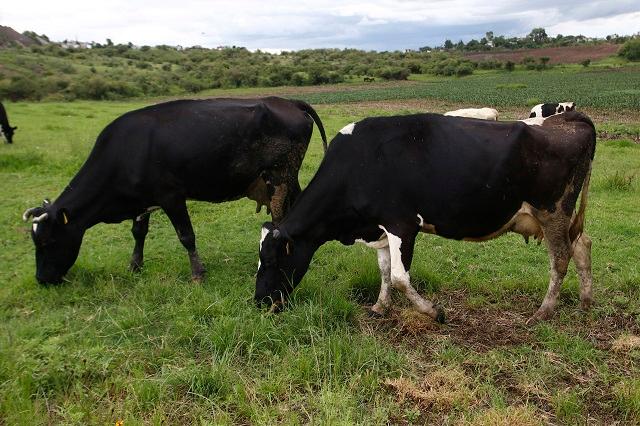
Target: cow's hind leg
column 582, row 260
column 139, row 229
column 401, row 254
column 556, row 234
column 384, row 298
column 179, row 217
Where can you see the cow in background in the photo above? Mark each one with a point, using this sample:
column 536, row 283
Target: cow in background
column 5, row 129
column 481, row 113
column 547, row 110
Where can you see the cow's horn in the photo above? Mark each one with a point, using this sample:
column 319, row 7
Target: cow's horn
column 28, row 213
column 40, row 218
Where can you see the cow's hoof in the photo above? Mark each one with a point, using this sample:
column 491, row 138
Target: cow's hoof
column 135, row 267
column 440, row 317
column 198, row 279
column 374, row 314
column 276, row 308
column 586, row 304
column 540, row 315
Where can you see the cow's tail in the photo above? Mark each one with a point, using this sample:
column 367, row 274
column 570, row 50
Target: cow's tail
column 577, row 223
column 314, row 115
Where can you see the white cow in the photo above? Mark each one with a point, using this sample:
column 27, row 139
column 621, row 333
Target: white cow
column 481, row 113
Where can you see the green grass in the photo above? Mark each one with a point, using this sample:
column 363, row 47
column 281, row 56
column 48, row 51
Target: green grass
column 110, row 345
column 603, row 89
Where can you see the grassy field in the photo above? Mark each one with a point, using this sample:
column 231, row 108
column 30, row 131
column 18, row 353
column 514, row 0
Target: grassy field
column 152, row 348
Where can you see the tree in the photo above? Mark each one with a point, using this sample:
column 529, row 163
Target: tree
column 538, row 35
column 631, row 50
column 448, row 44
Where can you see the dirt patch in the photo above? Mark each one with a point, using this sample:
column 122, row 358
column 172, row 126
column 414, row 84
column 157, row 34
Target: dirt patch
column 558, row 55
column 480, row 329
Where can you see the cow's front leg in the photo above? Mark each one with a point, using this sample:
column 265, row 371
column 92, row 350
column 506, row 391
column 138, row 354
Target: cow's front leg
column 384, row 298
column 401, row 253
column 139, row 229
column 179, row 217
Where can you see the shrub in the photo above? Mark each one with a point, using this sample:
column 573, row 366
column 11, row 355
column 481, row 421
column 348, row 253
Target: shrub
column 464, row 69
column 631, row 50
column 393, row 73
column 22, row 87
column 509, row 65
column 586, row 63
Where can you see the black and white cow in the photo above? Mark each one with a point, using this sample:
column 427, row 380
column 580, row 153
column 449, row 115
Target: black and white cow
column 385, row 179
column 158, row 157
column 5, row 129
column 547, row 110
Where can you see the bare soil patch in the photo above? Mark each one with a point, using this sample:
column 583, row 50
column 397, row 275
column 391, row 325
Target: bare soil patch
column 558, row 55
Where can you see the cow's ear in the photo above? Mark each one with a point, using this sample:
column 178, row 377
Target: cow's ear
column 63, row 216
column 14, row 128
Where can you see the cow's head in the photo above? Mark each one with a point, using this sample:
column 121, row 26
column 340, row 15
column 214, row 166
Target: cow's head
column 57, row 241
column 7, row 132
column 282, row 265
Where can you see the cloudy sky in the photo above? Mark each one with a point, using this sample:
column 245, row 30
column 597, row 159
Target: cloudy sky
column 298, row 24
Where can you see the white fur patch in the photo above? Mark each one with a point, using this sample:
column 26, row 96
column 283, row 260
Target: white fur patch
column 263, row 234
column 348, row 129
column 398, row 273
column 535, row 121
column 34, row 226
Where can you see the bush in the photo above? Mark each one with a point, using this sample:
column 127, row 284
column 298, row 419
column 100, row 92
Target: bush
column 393, row 73
column 631, row 50
column 509, row 66
column 586, row 63
column 464, row 69
column 22, row 88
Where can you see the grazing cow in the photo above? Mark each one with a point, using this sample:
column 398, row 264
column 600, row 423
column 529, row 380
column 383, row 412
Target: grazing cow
column 547, row 110
column 385, row 179
column 481, row 113
column 158, row 157
column 5, row 129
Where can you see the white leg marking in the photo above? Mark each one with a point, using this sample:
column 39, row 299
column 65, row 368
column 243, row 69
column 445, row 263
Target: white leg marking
column 348, row 129
column 384, row 263
column 400, row 277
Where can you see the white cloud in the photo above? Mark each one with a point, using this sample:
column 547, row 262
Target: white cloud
column 296, row 24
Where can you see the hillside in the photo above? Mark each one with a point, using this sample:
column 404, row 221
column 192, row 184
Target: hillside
column 10, row 37
column 558, row 55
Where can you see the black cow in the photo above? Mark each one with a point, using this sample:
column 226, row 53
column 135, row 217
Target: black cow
column 159, row 156
column 547, row 110
column 384, row 179
column 5, row 129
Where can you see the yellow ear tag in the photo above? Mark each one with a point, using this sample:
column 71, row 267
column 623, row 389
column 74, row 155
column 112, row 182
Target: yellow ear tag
column 64, row 216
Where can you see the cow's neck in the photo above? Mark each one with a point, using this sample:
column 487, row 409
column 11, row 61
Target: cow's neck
column 320, row 214
column 88, row 198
